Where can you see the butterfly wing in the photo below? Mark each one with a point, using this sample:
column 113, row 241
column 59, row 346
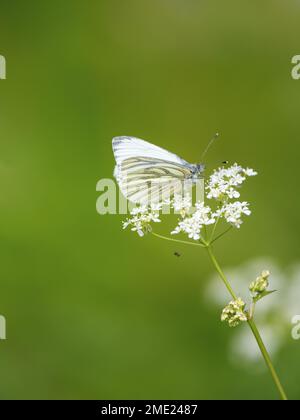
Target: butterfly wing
column 147, row 173
column 131, row 147
column 149, row 180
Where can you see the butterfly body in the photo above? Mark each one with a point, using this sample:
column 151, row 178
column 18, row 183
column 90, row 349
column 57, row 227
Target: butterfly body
column 149, row 174
column 197, row 171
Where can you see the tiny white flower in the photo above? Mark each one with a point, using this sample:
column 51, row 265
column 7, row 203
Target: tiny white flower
column 236, row 179
column 250, row 172
column 232, row 193
column 126, row 223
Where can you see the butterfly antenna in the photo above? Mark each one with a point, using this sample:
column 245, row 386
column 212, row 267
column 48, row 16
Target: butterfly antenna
column 215, row 137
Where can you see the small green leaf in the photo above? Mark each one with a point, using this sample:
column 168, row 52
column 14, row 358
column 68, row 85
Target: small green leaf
column 263, row 295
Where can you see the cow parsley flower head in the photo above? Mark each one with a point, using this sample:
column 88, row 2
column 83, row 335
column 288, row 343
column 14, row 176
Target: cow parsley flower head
column 234, row 313
column 193, row 224
column 142, row 217
column 233, row 212
column 224, row 182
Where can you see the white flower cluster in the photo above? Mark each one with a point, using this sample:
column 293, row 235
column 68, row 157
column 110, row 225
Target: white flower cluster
column 233, row 212
column 142, row 217
column 193, row 224
column 234, row 313
column 224, row 182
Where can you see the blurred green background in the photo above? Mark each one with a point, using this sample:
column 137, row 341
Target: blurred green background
column 95, row 312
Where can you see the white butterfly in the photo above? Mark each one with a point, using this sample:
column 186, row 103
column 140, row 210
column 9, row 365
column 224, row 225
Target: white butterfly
column 148, row 174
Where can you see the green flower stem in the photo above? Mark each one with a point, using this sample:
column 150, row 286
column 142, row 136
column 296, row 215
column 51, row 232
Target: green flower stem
column 222, row 234
column 221, row 274
column 214, row 229
column 253, row 327
column 267, row 358
column 177, row 240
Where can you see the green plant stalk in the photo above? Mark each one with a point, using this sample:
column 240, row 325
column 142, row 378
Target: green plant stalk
column 267, row 358
column 253, row 327
column 220, row 272
column 166, row 238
